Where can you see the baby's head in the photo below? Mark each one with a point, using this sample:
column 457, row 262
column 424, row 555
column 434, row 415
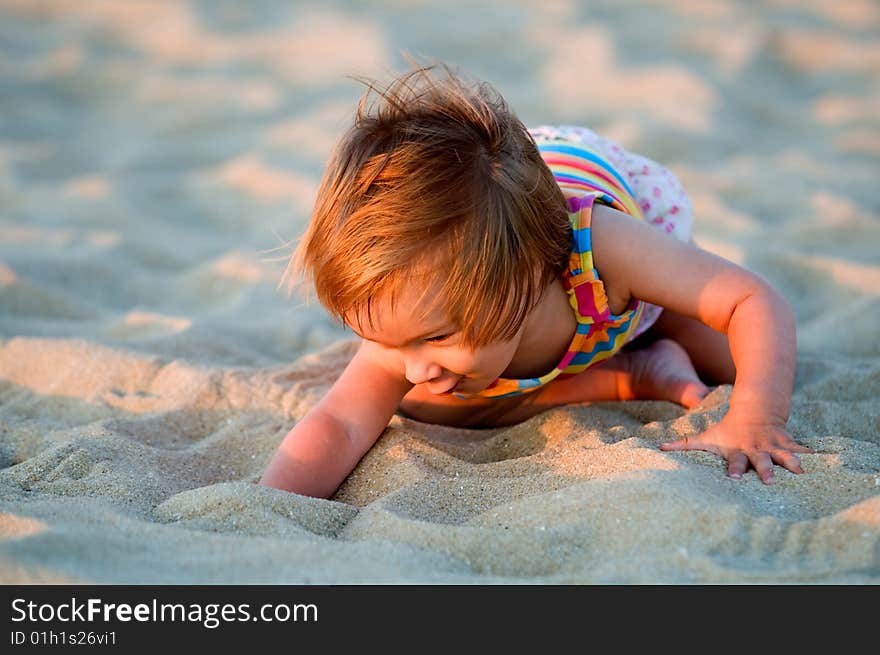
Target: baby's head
column 436, row 186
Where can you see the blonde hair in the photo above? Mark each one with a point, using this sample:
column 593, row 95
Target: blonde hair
column 439, row 173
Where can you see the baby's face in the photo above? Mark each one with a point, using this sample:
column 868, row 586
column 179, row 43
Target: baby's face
column 430, row 349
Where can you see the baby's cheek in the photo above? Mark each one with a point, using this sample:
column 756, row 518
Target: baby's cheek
column 469, row 362
column 494, row 359
column 462, row 362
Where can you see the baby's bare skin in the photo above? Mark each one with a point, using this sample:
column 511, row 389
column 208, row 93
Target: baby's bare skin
column 661, row 371
column 725, row 322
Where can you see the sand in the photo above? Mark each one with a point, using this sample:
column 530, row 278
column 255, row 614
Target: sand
column 155, row 155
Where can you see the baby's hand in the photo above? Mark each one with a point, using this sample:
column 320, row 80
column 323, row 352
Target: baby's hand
column 742, row 443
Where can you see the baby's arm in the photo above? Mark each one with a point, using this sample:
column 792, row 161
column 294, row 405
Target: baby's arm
column 639, row 261
column 328, row 442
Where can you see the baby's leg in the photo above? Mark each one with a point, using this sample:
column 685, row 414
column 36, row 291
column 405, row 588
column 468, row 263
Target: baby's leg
column 708, row 350
column 660, row 371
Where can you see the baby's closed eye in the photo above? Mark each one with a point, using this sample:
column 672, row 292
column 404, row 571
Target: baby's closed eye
column 438, row 338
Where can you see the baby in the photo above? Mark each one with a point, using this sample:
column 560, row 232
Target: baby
column 493, row 272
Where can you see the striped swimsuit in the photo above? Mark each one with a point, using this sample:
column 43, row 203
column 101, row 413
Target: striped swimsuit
column 585, row 177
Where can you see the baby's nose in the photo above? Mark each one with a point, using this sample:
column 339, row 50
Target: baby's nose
column 418, row 372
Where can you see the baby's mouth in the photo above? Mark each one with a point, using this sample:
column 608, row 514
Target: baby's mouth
column 449, row 390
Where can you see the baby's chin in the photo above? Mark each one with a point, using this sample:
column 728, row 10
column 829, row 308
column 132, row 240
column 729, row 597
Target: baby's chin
column 472, row 391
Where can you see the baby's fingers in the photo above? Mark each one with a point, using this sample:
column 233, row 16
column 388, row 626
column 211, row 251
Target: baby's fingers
column 737, row 463
column 782, row 439
column 763, row 465
column 690, row 443
column 789, row 460
column 679, row 444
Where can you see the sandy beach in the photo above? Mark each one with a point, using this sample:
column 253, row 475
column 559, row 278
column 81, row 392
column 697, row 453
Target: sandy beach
column 156, row 157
